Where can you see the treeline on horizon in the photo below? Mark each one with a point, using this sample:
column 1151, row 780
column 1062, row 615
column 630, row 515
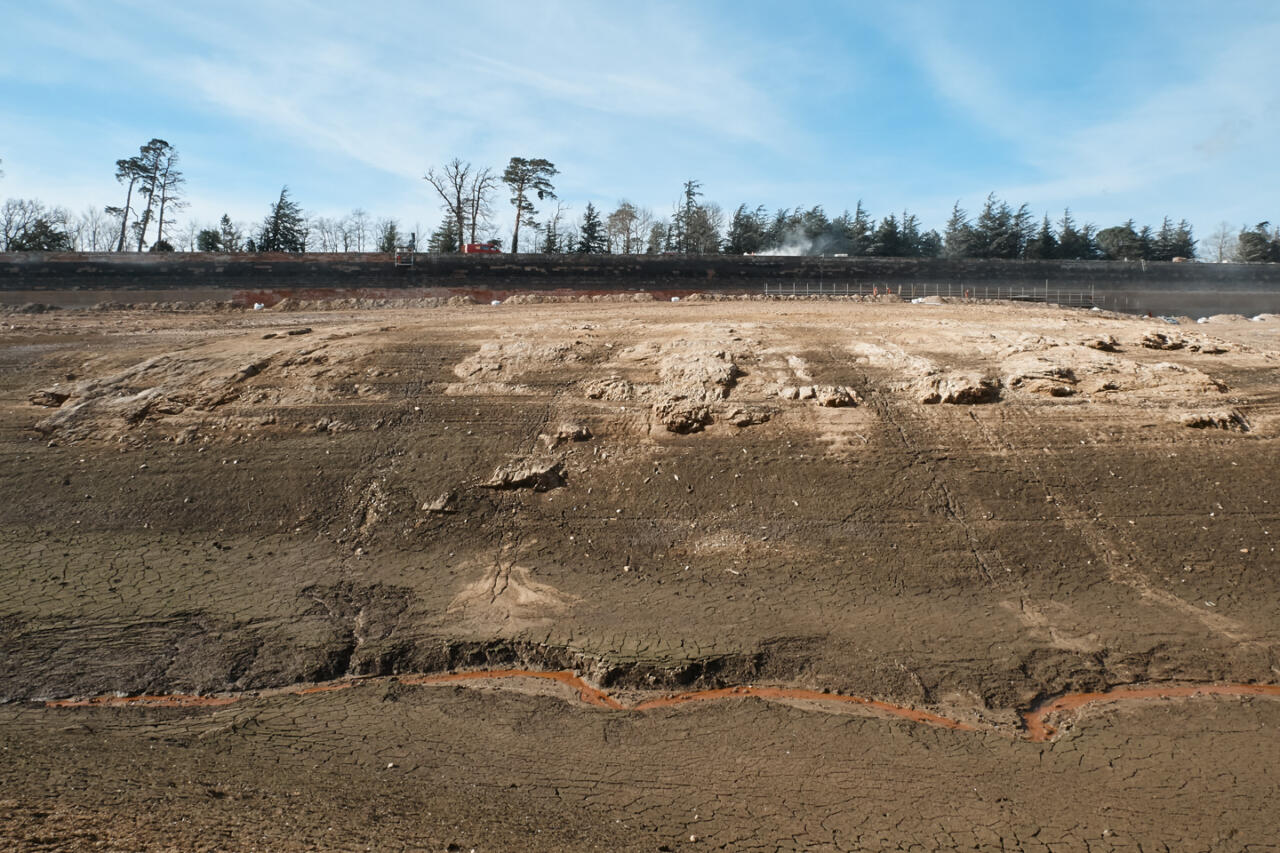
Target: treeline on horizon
column 154, row 189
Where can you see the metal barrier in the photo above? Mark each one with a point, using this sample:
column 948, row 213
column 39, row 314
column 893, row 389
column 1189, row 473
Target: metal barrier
column 1074, row 297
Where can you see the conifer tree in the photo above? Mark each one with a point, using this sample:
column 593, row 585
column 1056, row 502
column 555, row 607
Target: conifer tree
column 1044, row 246
column 958, row 240
column 284, row 229
column 527, row 178
column 592, row 239
column 746, row 231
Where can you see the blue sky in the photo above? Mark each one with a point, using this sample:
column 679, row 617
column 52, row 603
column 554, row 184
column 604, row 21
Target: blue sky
column 1115, row 109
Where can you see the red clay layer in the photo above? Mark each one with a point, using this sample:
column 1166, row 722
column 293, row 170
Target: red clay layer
column 1036, row 720
column 1039, row 729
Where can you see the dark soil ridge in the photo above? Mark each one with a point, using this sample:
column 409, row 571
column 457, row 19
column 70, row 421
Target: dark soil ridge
column 353, row 658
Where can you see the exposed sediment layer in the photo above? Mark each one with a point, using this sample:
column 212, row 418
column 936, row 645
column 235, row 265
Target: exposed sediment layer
column 1036, row 725
column 290, row 516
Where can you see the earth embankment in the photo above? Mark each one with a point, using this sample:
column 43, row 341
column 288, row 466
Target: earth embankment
column 962, row 511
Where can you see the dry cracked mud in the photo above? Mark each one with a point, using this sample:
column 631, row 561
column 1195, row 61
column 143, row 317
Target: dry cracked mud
column 732, row 575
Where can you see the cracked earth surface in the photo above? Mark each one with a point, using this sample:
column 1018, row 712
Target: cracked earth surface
column 386, row 578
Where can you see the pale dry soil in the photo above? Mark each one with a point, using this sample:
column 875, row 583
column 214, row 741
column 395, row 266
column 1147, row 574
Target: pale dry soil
column 965, row 509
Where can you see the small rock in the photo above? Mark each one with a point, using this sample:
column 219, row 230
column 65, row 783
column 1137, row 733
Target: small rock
column 441, row 504
column 565, row 433
column 748, row 417
column 1105, row 343
column 835, row 396
column 541, row 475
column 1162, row 341
column 682, row 416
column 48, row 398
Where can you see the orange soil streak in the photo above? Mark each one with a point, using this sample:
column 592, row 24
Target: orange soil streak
column 809, row 695
column 586, row 692
column 325, row 688
column 1036, row 720
column 1040, row 730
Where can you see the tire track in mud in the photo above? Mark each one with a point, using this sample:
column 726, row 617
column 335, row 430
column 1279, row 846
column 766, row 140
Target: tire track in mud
column 1116, row 550
column 1041, row 723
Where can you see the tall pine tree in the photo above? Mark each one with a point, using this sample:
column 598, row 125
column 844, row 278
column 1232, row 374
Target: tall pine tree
column 284, row 229
column 592, row 239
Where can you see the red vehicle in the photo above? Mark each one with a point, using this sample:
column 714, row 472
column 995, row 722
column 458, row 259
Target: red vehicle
column 481, row 249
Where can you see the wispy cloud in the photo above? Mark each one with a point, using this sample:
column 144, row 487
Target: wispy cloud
column 1189, row 132
column 906, row 105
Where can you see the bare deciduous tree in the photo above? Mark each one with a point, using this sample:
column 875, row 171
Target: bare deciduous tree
column 1221, row 245
column 359, row 223
column 452, row 182
column 92, row 231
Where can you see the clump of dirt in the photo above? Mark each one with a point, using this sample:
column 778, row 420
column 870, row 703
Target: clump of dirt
column 831, row 396
column 564, row 434
column 1105, row 343
column 497, row 366
column 48, row 398
column 1228, row 419
column 693, row 371
column 958, row 387
column 611, row 388
column 539, row 474
column 925, row 381
column 500, row 360
column 691, row 378
column 1163, row 340
column 682, row 416
column 748, row 416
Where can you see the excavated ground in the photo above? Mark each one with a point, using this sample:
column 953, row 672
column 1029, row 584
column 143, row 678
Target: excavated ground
column 916, row 532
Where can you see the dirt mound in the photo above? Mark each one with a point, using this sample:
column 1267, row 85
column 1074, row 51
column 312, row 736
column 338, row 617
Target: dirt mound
column 926, row 382
column 516, row 358
column 1068, row 369
column 959, row 387
column 506, row 600
column 235, row 386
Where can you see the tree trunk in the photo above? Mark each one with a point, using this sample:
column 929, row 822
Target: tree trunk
column 461, row 213
column 515, row 236
column 124, row 217
column 160, row 217
column 151, row 200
